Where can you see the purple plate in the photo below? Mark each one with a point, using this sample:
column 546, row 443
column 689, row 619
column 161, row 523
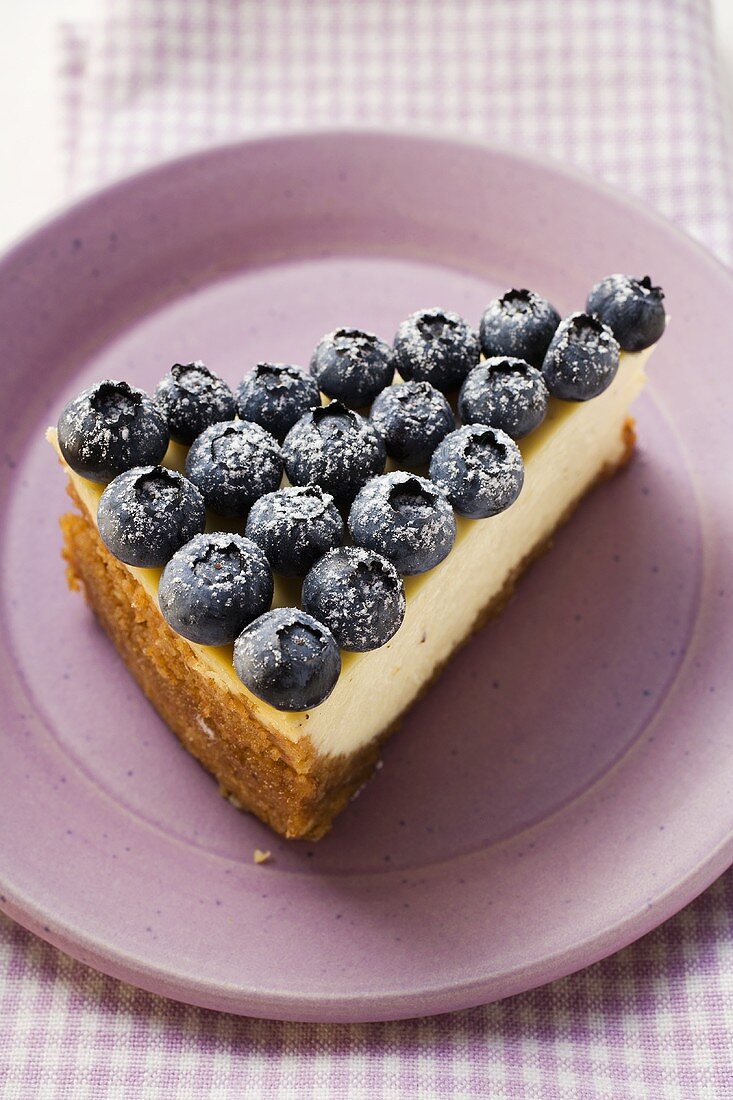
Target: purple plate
column 564, row 787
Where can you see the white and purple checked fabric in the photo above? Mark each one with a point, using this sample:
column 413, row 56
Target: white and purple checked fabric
column 654, row 1022
column 627, row 89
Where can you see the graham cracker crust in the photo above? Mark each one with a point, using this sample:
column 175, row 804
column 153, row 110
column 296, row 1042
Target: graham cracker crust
column 287, row 785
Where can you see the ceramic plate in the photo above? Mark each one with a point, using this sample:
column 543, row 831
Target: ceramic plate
column 568, row 782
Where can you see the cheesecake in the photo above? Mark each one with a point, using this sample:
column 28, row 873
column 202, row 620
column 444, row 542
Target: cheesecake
column 296, row 767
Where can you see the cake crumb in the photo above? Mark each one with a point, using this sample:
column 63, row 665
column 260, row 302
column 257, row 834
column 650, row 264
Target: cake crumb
column 205, row 728
column 260, row 856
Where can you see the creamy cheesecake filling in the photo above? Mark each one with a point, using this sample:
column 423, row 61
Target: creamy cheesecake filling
column 563, row 457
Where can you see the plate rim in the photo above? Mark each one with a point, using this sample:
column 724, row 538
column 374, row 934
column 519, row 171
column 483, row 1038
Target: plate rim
column 389, row 1005
column 554, row 165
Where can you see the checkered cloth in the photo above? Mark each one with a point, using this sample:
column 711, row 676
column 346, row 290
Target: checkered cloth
column 625, row 88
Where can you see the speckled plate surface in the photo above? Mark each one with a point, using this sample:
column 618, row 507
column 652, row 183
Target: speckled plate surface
column 564, row 787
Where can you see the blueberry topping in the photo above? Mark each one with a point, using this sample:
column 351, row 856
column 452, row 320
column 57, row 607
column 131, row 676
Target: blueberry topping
column 358, row 595
column 405, row 518
column 353, row 366
column 148, row 513
column 234, row 464
column 632, row 309
column 480, row 469
column 335, row 448
column 412, row 418
column 436, row 346
column 519, row 324
column 275, row 395
column 582, row 358
column 288, row 659
column 109, row 428
column 504, row 393
column 192, row 398
column 295, row 526
column 214, row 586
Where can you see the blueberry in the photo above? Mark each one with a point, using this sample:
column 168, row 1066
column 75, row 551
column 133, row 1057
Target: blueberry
column 192, row 398
column 275, row 395
column 335, row 448
column 504, row 393
column 233, row 464
column 214, row 586
column 582, row 358
column 358, row 595
column 412, row 418
column 353, row 366
column 480, row 470
column 632, row 309
column 405, row 518
column 519, row 324
column 109, row 428
column 288, row 659
column 148, row 513
column 436, row 346
column 295, row 526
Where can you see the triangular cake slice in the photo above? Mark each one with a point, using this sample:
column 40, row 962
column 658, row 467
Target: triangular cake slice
column 297, row 770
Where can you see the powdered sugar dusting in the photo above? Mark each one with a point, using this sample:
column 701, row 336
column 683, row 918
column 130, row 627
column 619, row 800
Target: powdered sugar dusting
column 147, row 513
column 352, row 365
column 506, row 393
column 582, row 358
column 234, row 464
column 276, row 395
column 480, row 469
column 520, row 323
column 437, row 346
column 288, row 659
column 214, row 586
column 192, row 397
column 335, row 448
column 406, row 518
column 412, row 418
column 109, row 428
column 358, row 594
column 295, row 526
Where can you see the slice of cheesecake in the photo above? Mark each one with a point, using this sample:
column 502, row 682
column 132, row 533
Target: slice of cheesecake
column 296, row 771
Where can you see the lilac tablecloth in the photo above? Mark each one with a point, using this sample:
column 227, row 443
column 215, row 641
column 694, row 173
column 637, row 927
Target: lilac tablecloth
column 627, row 89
